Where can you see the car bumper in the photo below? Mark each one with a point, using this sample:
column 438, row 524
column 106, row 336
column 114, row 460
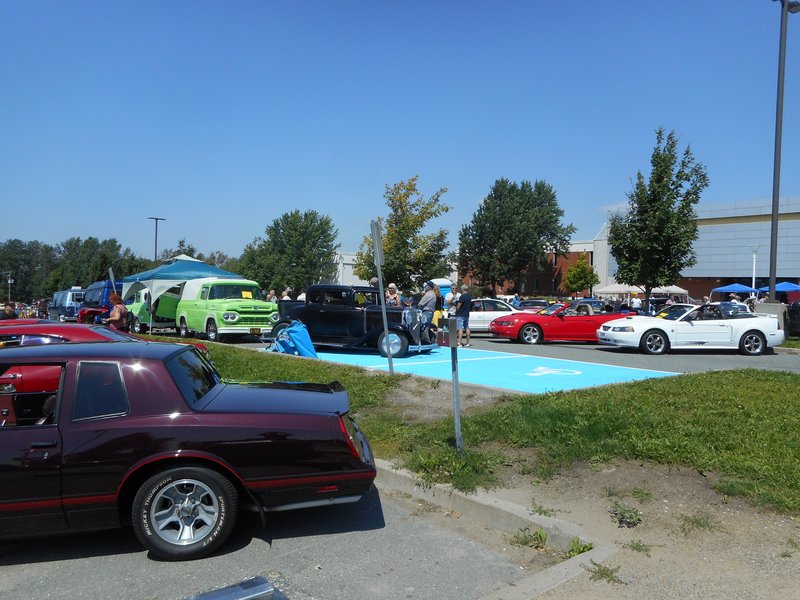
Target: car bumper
column 620, row 339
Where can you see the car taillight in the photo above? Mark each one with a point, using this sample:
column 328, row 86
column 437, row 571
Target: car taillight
column 349, row 431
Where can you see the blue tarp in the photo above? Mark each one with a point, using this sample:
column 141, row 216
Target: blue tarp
column 294, row 340
column 736, row 288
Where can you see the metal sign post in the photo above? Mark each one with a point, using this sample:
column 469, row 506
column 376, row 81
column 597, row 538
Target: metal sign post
column 377, row 254
column 452, row 328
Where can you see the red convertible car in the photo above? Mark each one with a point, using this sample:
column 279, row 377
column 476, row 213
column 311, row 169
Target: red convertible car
column 149, row 434
column 558, row 322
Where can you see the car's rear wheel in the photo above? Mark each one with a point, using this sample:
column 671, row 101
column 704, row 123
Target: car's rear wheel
column 654, row 341
column 397, row 344
column 184, row 513
column 530, row 334
column 183, row 330
column 138, row 326
column 753, row 343
column 212, row 333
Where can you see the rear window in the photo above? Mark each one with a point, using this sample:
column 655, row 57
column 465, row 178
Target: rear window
column 193, row 375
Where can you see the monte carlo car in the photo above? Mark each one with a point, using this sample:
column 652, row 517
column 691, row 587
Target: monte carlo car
column 96, row 436
column 558, row 322
column 719, row 325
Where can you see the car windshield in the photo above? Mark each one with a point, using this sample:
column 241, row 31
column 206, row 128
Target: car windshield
column 551, row 309
column 674, row 312
column 237, row 291
column 193, row 375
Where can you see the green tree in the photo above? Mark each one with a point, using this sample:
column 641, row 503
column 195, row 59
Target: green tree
column 580, row 276
column 411, row 257
column 514, row 228
column 652, row 242
column 298, row 249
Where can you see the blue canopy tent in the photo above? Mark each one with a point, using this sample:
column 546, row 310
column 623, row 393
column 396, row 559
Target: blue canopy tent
column 735, row 288
column 177, row 270
column 783, row 286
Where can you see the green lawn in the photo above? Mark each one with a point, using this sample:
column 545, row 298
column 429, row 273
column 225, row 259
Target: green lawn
column 743, row 425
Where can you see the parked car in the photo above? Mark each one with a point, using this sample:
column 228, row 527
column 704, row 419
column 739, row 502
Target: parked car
column 343, row 316
column 533, row 304
column 719, row 325
column 53, row 332
column 163, row 317
column 96, row 304
column 486, row 310
column 559, row 322
column 149, row 434
column 223, row 307
column 66, row 304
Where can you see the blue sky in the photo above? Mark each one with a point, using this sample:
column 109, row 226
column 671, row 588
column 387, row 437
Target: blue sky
column 221, row 116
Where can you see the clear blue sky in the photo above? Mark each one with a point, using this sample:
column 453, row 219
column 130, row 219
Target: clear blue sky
column 221, row 116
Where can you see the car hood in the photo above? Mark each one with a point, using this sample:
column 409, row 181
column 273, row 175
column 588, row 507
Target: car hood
column 634, row 320
column 277, row 396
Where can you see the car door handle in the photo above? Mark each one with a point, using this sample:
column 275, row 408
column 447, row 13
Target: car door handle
column 50, row 444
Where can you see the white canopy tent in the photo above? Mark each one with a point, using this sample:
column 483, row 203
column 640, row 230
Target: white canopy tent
column 621, row 288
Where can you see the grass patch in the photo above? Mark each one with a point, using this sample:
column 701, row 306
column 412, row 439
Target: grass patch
column 792, row 342
column 625, row 516
column 603, row 573
column 743, row 425
column 697, row 522
column 639, row 546
column 530, row 539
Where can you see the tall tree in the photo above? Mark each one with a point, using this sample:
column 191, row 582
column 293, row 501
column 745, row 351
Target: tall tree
column 652, row 242
column 298, row 249
column 411, row 257
column 514, row 228
column 580, row 276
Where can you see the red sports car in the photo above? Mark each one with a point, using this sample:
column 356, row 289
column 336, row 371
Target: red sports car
column 149, row 434
column 558, row 322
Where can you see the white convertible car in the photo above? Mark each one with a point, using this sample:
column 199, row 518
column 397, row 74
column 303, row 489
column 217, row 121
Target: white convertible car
column 719, row 325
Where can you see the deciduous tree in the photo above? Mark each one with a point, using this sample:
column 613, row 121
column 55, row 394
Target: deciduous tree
column 514, row 228
column 652, row 242
column 580, row 276
column 411, row 256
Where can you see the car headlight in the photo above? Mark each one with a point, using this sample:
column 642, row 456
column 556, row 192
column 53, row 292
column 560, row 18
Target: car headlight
column 623, row 329
column 230, row 316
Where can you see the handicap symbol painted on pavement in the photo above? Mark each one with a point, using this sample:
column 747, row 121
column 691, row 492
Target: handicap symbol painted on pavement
column 551, row 371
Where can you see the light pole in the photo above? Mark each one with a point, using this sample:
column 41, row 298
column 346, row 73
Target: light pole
column 754, row 248
column 155, row 248
column 787, row 6
column 10, row 281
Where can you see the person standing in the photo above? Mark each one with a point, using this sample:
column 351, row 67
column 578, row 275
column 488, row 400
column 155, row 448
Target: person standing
column 463, row 306
column 392, row 297
column 427, row 304
column 118, row 319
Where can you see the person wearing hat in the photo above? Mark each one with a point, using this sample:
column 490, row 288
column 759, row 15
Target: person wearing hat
column 392, row 297
column 427, row 304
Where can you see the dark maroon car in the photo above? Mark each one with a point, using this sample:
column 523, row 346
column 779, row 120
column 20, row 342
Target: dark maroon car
column 149, row 434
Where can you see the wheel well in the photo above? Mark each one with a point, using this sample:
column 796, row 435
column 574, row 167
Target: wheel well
column 135, row 480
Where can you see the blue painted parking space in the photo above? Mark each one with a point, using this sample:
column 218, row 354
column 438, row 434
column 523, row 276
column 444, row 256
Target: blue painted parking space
column 514, row 372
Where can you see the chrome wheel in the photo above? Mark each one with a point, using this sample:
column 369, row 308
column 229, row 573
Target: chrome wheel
column 397, row 344
column 654, row 342
column 753, row 343
column 184, row 512
column 530, row 334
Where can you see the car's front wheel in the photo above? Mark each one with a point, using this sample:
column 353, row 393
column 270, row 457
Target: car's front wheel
column 397, row 344
column 530, row 334
column 212, row 333
column 184, row 513
column 654, row 341
column 138, row 326
column 753, row 343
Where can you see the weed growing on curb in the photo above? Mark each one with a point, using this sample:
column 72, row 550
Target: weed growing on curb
column 525, row 537
column 578, row 547
column 540, row 509
column 638, row 546
column 625, row 516
column 602, row 572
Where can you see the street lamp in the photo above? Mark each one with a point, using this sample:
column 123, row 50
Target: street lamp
column 754, row 248
column 10, row 281
column 787, row 6
column 155, row 248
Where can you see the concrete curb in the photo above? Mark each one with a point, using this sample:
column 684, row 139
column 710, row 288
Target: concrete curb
column 506, row 517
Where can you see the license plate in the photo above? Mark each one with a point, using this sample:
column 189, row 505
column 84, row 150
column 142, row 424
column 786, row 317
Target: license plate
column 255, row 330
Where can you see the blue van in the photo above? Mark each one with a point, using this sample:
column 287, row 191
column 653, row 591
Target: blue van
column 66, row 304
column 95, row 297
